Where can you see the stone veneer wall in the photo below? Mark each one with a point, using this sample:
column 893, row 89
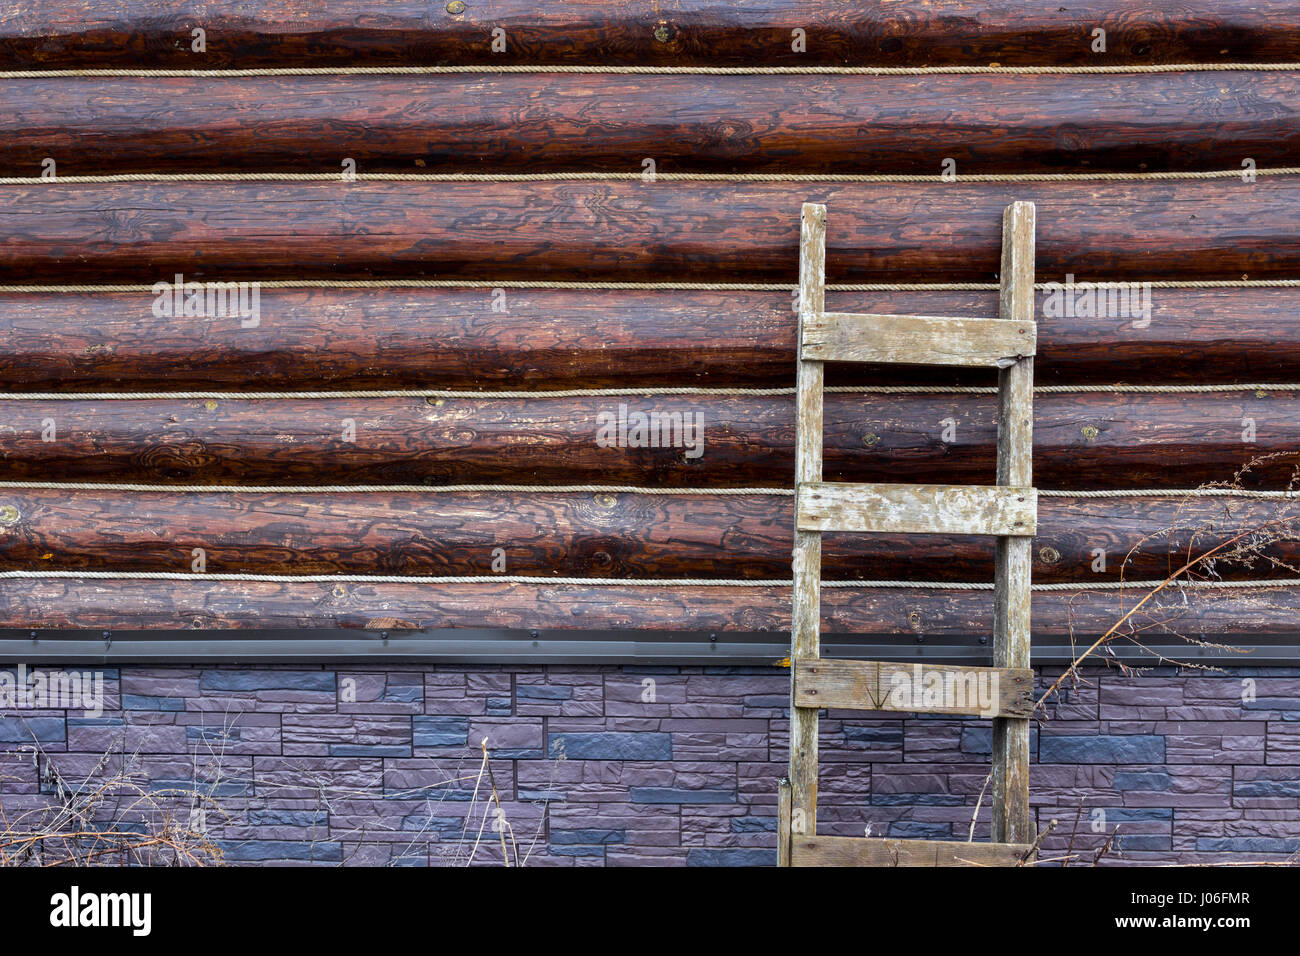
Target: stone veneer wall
column 606, row 768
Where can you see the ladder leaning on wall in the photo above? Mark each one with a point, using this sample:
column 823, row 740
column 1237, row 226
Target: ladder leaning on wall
column 1007, row 510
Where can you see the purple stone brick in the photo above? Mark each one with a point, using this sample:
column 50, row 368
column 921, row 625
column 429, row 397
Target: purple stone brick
column 518, row 738
column 1283, row 742
column 400, row 693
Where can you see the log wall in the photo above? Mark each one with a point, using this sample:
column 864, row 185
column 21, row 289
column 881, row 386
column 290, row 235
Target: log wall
column 74, row 346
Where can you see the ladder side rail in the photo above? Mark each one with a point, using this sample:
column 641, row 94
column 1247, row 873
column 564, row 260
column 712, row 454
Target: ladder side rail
column 1012, row 563
column 805, row 628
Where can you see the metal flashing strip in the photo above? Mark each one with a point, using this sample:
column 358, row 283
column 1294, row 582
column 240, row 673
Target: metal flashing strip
column 629, row 647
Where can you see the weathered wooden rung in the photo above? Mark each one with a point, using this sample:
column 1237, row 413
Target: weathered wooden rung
column 875, row 851
column 916, row 339
column 917, row 509
column 918, row 688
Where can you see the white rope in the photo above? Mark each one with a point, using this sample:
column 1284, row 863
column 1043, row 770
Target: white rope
column 1118, row 388
column 703, row 391
column 1168, row 493
column 101, row 288
column 659, row 70
column 197, row 177
column 1209, row 492
column 613, row 582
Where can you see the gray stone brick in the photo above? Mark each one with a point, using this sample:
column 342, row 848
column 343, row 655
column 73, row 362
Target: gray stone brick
column 1132, row 748
column 25, row 729
column 742, row 856
column 214, row 681
column 610, row 746
column 679, row 795
column 432, row 731
column 587, row 837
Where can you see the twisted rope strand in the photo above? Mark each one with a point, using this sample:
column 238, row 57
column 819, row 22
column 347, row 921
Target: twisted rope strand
column 1209, row 492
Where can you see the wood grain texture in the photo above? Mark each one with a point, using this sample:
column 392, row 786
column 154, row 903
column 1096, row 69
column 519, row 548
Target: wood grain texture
column 719, row 124
column 916, row 339
column 916, row 509
column 806, row 555
column 1080, row 540
column 864, row 851
column 1081, row 441
column 133, row 33
column 914, row 613
column 453, row 338
column 631, row 231
column 1012, row 561
column 914, row 688
column 783, row 808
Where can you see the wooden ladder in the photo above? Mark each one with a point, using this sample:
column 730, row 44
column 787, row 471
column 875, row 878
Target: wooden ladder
column 1007, row 510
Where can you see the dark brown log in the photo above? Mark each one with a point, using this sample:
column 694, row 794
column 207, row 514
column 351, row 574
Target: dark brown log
column 719, row 124
column 630, row 231
column 274, row 33
column 920, row 612
column 444, row 338
column 1085, row 540
column 1081, row 441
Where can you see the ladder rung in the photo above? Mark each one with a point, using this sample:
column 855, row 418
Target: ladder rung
column 915, row 688
column 916, row 339
column 917, row 509
column 875, row 851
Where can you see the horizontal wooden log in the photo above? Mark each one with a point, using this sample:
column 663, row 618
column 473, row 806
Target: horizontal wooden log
column 533, row 338
column 1081, row 540
column 914, row 688
column 274, row 33
column 893, row 339
column 871, row 851
column 916, row 509
column 1093, row 440
column 721, row 124
column 920, row 613
column 631, row 231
